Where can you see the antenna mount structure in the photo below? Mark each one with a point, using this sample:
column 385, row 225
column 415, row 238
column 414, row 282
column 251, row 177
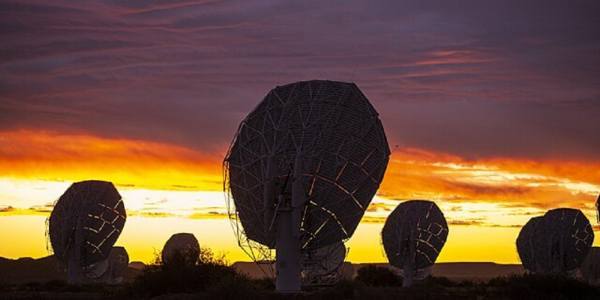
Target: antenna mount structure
column 84, row 225
column 300, row 172
column 413, row 236
column 556, row 243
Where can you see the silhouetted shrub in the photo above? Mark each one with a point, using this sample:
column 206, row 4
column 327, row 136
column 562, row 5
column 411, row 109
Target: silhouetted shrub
column 439, row 281
column 377, row 276
column 54, row 285
column 534, row 286
column 234, row 287
column 344, row 289
column 265, row 284
column 186, row 272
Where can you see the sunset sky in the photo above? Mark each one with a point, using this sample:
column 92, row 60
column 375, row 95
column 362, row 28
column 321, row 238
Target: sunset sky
column 491, row 108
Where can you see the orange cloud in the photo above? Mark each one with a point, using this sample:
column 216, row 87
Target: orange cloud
column 127, row 163
column 511, row 183
column 416, row 173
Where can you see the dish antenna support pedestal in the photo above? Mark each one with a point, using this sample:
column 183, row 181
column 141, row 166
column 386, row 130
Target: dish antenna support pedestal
column 288, row 250
column 83, row 226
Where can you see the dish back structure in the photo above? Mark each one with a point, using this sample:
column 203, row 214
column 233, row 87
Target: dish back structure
column 84, row 225
column 314, row 152
column 184, row 243
column 110, row 270
column 557, row 242
column 118, row 264
column 413, row 236
column 324, row 265
column 590, row 268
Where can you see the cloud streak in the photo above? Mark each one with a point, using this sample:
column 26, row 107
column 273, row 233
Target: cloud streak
column 473, row 79
column 419, row 174
column 127, row 163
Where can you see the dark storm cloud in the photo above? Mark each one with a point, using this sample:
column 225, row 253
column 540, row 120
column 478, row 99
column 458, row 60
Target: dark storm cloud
column 475, row 78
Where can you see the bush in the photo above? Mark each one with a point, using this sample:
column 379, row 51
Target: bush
column 440, row 281
column 344, row 289
column 537, row 286
column 54, row 285
column 186, row 272
column 377, row 276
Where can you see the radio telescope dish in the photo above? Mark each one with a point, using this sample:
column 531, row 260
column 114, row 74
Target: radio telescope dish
column 323, row 265
column 590, row 268
column 84, row 225
column 118, row 264
column 301, row 170
column 413, row 236
column 96, row 270
column 110, row 270
column 184, row 243
column 558, row 242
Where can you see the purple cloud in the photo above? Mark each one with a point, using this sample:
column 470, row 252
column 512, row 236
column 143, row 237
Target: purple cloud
column 493, row 78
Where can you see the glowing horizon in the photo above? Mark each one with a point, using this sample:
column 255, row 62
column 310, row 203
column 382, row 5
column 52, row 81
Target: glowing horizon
column 486, row 199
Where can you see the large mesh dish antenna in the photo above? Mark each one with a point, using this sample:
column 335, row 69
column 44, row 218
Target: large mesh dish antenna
column 315, row 149
column 118, row 264
column 84, row 225
column 185, row 244
column 110, row 270
column 413, row 236
column 557, row 243
column 96, row 270
column 344, row 154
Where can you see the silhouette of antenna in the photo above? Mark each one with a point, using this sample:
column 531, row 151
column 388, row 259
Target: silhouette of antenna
column 557, row 242
column 118, row 264
column 598, row 209
column 110, row 270
column 184, row 243
column 84, row 225
column 323, row 265
column 326, row 139
column 413, row 236
column 590, row 268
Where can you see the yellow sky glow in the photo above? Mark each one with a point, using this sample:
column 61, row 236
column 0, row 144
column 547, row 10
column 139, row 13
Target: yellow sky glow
column 169, row 189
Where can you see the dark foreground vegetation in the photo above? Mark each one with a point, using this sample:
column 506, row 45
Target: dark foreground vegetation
column 207, row 276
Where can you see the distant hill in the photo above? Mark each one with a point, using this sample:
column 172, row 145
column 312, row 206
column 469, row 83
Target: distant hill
column 478, row 271
column 138, row 265
column 26, row 270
